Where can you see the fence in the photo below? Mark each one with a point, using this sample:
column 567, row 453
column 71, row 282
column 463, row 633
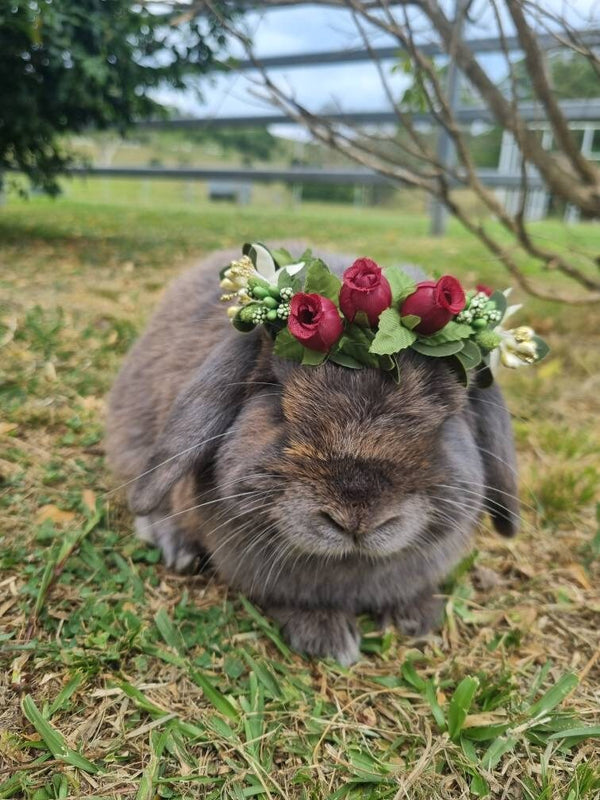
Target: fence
column 507, row 179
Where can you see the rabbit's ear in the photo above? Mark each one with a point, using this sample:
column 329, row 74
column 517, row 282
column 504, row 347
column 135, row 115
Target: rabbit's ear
column 200, row 418
column 494, row 438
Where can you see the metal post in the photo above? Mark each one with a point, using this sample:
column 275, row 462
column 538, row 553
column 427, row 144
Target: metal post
column 445, row 148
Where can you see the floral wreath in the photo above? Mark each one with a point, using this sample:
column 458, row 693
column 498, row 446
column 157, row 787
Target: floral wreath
column 371, row 314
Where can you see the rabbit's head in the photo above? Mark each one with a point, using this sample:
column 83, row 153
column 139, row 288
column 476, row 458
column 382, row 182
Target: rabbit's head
column 338, row 461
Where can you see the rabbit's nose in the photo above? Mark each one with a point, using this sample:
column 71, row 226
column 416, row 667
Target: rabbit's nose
column 346, row 520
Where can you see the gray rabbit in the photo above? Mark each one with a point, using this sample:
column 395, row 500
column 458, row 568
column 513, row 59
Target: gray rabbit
column 319, row 492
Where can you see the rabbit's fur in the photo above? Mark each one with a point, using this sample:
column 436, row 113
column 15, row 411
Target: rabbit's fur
column 319, row 492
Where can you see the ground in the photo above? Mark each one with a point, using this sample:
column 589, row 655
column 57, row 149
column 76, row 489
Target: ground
column 121, row 679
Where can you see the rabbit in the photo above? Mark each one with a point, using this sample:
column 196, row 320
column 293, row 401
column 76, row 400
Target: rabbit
column 321, row 493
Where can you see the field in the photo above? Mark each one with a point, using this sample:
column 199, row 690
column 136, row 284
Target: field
column 120, row 679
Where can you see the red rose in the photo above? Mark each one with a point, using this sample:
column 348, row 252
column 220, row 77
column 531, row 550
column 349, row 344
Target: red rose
column 481, row 287
column 315, row 321
column 365, row 288
column 435, row 302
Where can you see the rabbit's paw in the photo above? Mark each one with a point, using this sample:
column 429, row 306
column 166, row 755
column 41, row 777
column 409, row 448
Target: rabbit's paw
column 417, row 616
column 320, row 633
column 164, row 534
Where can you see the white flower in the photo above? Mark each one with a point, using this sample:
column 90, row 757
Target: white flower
column 236, row 277
column 518, row 346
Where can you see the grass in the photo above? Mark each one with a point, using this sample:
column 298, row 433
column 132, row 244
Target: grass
column 121, row 679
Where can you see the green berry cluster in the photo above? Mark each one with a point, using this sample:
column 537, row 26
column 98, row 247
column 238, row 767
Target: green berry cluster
column 267, row 303
column 479, row 311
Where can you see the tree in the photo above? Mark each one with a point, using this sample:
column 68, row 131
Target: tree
column 69, row 65
column 417, row 27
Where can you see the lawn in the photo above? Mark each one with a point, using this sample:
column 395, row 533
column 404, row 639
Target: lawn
column 120, row 679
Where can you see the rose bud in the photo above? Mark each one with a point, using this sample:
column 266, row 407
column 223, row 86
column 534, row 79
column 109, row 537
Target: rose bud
column 435, row 302
column 481, row 287
column 315, row 321
column 365, row 288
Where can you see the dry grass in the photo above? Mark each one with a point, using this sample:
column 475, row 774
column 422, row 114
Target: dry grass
column 168, row 686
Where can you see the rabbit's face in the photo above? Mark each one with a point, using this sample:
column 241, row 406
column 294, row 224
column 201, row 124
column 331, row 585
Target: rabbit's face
column 337, row 462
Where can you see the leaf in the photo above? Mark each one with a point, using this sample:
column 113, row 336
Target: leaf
column 451, row 332
column 542, row 348
column 459, row 706
column 392, row 336
column 169, row 632
column 440, row 351
column 500, row 300
column 319, row 280
column 496, row 750
column 312, row 358
column 53, row 739
column 344, row 360
column 401, row 284
column 410, row 321
column 470, row 356
column 355, row 343
column 287, row 346
column 583, row 732
column 554, row 696
column 282, row 257
column 436, row 709
column 214, row 696
column 54, row 514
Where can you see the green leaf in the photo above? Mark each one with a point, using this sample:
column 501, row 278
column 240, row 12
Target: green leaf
column 344, row 360
column 500, row 746
column 460, row 703
column 355, row 343
column 392, row 336
column 583, row 732
column 287, row 346
column 312, row 358
column 410, row 321
column 319, row 280
column 169, row 632
column 470, row 356
column 264, row 675
column 440, row 351
column 458, row 368
column 214, row 696
column 451, row 332
column 53, row 739
column 282, row 257
column 554, row 696
column 500, row 301
column 436, row 709
column 541, row 348
column 401, row 284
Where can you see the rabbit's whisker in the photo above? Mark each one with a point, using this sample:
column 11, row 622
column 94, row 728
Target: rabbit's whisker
column 206, row 503
column 168, row 460
column 484, row 496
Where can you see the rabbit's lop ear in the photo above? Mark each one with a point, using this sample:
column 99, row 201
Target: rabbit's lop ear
column 200, row 417
column 496, row 445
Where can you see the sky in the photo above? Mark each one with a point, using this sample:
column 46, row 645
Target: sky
column 348, row 87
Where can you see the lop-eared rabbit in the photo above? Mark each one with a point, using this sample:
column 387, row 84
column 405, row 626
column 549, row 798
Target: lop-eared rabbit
column 319, row 492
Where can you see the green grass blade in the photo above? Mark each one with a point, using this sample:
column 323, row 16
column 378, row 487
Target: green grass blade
column 146, row 790
column 500, row 746
column 53, row 739
column 554, row 696
column 169, row 632
column 582, row 732
column 219, row 701
column 65, row 694
column 266, row 627
column 460, row 703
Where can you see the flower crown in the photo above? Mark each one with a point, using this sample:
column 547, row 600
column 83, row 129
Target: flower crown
column 368, row 317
